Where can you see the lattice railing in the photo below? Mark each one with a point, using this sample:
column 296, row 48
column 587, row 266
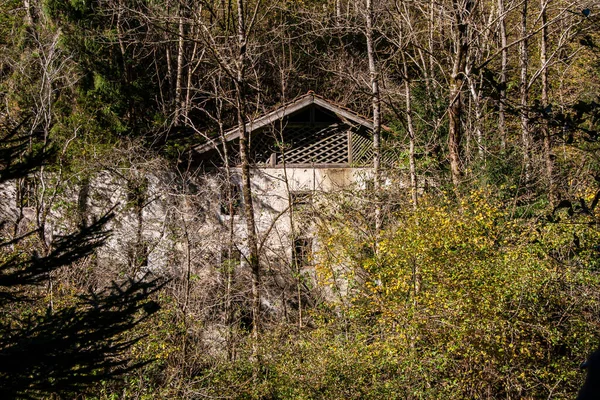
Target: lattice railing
column 262, row 145
column 362, row 149
column 315, row 145
column 311, row 144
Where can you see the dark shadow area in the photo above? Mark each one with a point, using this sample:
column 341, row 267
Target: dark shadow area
column 591, row 388
column 66, row 349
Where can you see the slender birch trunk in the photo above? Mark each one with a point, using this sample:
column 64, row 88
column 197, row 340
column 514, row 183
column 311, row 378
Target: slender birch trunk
column 545, row 102
column 431, row 59
column 376, row 104
column 457, row 77
column 296, row 267
column 454, row 116
column 476, row 97
column 524, row 92
column 503, row 67
column 179, row 73
column 411, row 135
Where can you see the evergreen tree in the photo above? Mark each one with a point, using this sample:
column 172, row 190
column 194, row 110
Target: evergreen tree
column 64, row 350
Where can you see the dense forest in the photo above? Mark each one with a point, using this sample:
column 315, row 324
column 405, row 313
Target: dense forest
column 470, row 266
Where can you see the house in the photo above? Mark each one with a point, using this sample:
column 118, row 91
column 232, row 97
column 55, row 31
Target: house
column 191, row 226
column 299, row 150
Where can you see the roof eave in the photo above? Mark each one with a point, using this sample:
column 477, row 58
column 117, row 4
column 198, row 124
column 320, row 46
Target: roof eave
column 286, row 110
column 258, row 123
column 344, row 114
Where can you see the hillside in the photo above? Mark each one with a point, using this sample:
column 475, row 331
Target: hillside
column 298, row 199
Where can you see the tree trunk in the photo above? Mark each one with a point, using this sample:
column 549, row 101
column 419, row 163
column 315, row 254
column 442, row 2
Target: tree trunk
column 524, row 91
column 545, row 127
column 502, row 83
column 455, row 95
column 28, row 14
column 376, row 104
column 186, row 103
column 121, row 44
column 168, row 60
column 454, row 127
column 476, row 97
column 179, row 74
column 431, row 58
column 253, row 257
column 411, row 134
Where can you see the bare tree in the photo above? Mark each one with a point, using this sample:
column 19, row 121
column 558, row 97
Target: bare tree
column 503, row 68
column 411, row 134
column 524, row 93
column 545, row 100
column 253, row 256
column 376, row 107
column 461, row 11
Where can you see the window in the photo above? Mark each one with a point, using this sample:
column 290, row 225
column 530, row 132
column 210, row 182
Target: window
column 137, row 254
column 230, row 206
column 137, row 192
column 301, row 200
column 302, row 252
column 230, row 259
column 26, row 192
column 82, row 200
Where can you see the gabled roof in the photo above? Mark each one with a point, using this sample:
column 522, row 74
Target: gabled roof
column 292, row 107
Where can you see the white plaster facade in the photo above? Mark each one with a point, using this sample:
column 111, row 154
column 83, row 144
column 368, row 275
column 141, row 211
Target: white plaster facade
column 180, row 226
